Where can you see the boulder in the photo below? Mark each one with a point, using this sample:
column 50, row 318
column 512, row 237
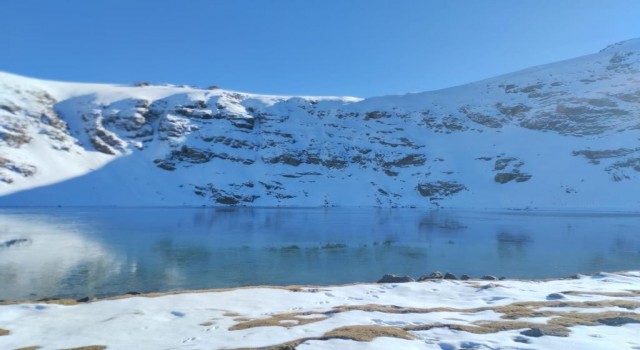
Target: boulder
column 395, row 279
column 617, row 321
column 539, row 332
column 555, row 296
column 432, row 276
column 450, row 276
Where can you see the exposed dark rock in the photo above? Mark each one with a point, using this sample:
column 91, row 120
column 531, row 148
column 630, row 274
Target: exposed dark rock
column 391, row 172
column 395, row 279
column 539, row 332
column 483, row 119
column 305, row 157
column 334, row 163
column 10, row 107
column 489, row 278
column 519, row 339
column 447, row 124
column 503, row 178
column 595, row 155
column 331, row 246
column 502, row 163
column 489, row 286
column 228, row 200
column 376, row 115
column 616, row 169
column 24, row 170
column 101, row 146
column 407, row 161
column 450, row 276
column 577, row 119
column 617, row 321
column 620, row 62
column 175, row 127
column 163, row 164
column 513, row 111
column 229, row 141
column 555, row 296
column 440, row 188
column 108, row 138
column 226, row 197
column 17, row 242
column 436, row 275
column 465, row 277
column 191, row 155
column 244, row 123
column 15, row 138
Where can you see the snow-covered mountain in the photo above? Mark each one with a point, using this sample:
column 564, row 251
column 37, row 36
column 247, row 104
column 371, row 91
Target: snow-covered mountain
column 563, row 135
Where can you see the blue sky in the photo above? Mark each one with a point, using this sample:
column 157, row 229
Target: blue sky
column 305, row 47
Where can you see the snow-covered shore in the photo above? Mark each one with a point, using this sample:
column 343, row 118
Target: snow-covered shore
column 589, row 312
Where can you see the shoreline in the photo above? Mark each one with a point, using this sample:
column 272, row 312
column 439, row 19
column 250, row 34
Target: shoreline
column 600, row 311
column 293, row 287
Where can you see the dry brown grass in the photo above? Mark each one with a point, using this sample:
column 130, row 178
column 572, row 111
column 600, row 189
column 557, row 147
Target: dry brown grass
column 514, row 311
column 89, row 347
column 30, row 348
column 357, row 333
column 366, row 333
column 280, row 320
column 4, row 332
column 488, row 327
column 627, row 294
column 49, row 301
column 206, row 324
column 558, row 322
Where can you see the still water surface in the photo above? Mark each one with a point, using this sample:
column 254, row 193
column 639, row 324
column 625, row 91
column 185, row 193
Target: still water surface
column 77, row 252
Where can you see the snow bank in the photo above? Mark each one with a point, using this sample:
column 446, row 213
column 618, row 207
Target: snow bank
column 590, row 312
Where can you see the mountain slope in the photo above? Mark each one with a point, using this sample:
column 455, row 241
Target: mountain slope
column 563, row 135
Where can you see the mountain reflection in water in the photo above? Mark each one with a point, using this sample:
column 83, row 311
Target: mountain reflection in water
column 77, row 252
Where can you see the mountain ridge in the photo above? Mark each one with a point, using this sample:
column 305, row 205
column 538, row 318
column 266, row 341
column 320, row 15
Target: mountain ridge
column 561, row 135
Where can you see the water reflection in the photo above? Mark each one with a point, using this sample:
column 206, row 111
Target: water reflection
column 80, row 252
column 38, row 260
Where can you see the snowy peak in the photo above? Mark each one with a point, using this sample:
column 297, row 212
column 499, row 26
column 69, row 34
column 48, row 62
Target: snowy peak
column 559, row 135
column 626, row 45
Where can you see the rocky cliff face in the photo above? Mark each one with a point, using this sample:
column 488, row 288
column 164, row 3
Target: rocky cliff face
column 561, row 135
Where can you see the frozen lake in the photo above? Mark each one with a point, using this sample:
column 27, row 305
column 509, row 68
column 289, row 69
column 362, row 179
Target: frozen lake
column 77, row 252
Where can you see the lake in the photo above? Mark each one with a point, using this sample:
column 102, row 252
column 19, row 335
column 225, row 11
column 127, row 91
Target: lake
column 78, row 252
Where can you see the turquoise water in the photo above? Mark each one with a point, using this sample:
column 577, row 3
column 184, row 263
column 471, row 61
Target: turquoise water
column 77, row 252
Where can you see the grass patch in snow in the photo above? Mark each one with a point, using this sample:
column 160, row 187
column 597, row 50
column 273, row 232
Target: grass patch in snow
column 553, row 322
column 280, row 320
column 366, row 333
column 356, row 333
column 629, row 293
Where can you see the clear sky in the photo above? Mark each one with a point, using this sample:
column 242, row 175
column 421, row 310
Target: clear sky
column 303, row 47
